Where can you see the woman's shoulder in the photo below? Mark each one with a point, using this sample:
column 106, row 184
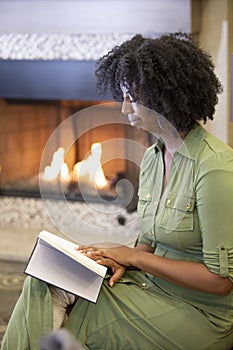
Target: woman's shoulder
column 200, row 139
column 216, row 153
column 217, row 145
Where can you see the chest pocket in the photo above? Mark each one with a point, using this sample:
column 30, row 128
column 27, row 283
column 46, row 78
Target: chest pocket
column 177, row 214
column 144, row 199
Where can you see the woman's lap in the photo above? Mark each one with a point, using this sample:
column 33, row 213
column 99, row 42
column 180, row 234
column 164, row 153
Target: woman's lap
column 133, row 314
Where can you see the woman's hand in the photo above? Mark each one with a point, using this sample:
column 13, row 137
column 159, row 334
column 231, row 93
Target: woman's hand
column 118, row 270
column 123, row 255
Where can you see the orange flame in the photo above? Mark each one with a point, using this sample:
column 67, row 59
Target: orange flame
column 89, row 170
column 57, row 167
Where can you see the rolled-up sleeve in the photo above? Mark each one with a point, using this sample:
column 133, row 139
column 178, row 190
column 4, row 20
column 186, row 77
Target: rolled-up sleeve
column 215, row 211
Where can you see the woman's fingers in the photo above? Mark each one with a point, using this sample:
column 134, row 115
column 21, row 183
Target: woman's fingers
column 117, row 274
column 122, row 254
column 117, row 269
column 93, row 256
column 98, row 255
column 88, row 250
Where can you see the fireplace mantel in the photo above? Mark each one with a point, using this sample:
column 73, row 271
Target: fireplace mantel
column 48, row 48
column 48, row 80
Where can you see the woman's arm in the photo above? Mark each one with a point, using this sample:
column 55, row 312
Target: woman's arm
column 183, row 273
column 186, row 274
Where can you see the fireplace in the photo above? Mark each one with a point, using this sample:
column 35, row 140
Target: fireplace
column 51, row 116
column 80, row 136
column 49, row 110
column 47, row 76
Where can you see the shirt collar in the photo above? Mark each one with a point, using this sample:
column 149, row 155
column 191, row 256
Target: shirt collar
column 191, row 145
column 192, row 142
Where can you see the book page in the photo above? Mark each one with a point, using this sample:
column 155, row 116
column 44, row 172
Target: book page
column 52, row 266
column 68, row 248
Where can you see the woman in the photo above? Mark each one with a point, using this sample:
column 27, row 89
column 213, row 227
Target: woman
column 174, row 289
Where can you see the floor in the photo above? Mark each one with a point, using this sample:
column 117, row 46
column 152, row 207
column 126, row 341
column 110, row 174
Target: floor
column 16, row 244
column 11, row 280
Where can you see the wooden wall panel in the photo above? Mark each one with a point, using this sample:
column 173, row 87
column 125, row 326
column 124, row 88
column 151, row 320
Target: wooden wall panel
column 25, row 129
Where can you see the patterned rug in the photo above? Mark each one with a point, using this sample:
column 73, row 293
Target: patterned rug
column 11, row 281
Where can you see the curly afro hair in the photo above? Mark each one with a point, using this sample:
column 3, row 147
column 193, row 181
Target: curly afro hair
column 170, row 75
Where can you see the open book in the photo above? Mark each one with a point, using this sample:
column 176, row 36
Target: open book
column 55, row 260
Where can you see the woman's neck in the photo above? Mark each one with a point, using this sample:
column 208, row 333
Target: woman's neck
column 172, row 140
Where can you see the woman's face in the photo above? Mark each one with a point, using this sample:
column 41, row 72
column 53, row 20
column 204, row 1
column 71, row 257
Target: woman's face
column 138, row 115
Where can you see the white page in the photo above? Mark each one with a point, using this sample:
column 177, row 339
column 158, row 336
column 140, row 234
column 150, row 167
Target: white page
column 54, row 267
column 68, row 248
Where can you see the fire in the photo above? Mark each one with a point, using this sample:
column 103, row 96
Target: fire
column 88, row 171
column 57, row 168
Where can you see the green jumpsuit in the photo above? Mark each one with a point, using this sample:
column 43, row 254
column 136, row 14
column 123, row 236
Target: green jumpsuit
column 192, row 220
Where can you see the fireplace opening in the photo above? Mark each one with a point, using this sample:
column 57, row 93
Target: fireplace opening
column 77, row 150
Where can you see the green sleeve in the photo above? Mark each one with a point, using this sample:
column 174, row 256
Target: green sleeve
column 214, row 195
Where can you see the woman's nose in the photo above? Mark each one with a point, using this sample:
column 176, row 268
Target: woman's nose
column 126, row 107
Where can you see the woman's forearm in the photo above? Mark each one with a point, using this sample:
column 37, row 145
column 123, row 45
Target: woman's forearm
column 183, row 273
column 187, row 274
